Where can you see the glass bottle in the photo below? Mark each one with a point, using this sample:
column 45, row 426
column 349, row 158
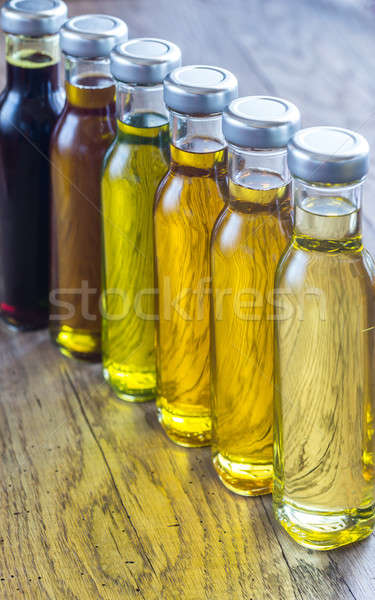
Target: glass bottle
column 188, row 202
column 133, row 168
column 248, row 239
column 29, row 107
column 80, row 141
column 325, row 340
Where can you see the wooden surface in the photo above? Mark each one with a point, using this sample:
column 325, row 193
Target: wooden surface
column 95, row 501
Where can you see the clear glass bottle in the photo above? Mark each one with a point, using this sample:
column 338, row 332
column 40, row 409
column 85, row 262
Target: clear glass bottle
column 30, row 105
column 133, row 169
column 80, row 141
column 187, row 204
column 248, row 240
column 325, row 342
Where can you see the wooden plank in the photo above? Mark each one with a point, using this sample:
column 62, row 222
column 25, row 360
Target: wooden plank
column 96, row 494
column 96, row 502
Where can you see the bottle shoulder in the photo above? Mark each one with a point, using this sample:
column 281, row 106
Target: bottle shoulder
column 299, row 267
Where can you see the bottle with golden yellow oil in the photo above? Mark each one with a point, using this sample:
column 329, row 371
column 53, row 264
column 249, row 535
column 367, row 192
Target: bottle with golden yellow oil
column 81, row 138
column 188, row 202
column 133, row 169
column 324, row 493
column 248, row 240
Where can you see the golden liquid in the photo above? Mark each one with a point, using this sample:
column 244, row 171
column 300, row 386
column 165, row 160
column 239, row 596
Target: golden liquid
column 82, row 136
column 324, row 390
column 133, row 169
column 187, row 205
column 247, row 242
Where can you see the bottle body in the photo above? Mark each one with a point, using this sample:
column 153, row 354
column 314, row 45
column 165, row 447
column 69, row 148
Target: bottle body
column 133, row 169
column 80, row 141
column 324, row 388
column 247, row 242
column 188, row 202
column 29, row 108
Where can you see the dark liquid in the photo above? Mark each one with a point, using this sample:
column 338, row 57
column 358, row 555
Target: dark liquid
column 83, row 135
column 29, row 107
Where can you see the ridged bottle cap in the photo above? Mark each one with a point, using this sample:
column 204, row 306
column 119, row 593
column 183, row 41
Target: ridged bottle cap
column 144, row 61
column 33, row 18
column 328, row 155
column 260, row 122
column 91, row 36
column 199, row 89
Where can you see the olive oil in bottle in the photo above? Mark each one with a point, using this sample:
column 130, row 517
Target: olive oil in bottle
column 188, row 202
column 133, row 169
column 325, row 343
column 80, row 141
column 248, row 240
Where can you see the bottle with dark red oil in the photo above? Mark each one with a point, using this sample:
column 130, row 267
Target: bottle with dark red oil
column 30, row 105
column 79, row 143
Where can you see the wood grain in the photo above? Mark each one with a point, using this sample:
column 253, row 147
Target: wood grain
column 96, row 502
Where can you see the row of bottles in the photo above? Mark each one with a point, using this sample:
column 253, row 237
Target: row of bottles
column 172, row 218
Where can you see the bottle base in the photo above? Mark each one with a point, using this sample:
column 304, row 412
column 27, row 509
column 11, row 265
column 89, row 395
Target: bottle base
column 131, row 386
column 77, row 343
column 325, row 530
column 184, row 430
column 245, row 479
column 23, row 320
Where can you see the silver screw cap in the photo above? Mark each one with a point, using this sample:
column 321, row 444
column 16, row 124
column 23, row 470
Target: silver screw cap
column 91, row 36
column 199, row 89
column 328, row 155
column 260, row 122
column 33, row 18
column 144, row 61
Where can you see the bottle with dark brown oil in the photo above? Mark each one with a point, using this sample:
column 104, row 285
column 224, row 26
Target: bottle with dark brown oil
column 81, row 139
column 30, row 105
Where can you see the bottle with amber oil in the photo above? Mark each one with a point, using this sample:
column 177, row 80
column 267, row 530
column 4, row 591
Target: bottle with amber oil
column 80, row 141
column 133, row 169
column 30, row 105
column 188, row 202
column 324, row 492
column 248, row 240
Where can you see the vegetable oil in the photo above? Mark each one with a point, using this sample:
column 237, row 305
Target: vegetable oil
column 80, row 141
column 247, row 242
column 133, row 168
column 187, row 204
column 324, row 392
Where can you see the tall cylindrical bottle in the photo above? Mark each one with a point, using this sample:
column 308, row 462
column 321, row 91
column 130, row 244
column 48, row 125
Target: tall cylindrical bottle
column 324, row 444
column 29, row 108
column 187, row 204
column 133, row 169
column 248, row 240
column 80, row 141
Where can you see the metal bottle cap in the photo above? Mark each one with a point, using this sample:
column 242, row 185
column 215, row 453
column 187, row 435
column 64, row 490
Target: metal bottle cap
column 328, row 155
column 90, row 36
column 144, row 60
column 199, row 89
column 260, row 122
column 33, row 18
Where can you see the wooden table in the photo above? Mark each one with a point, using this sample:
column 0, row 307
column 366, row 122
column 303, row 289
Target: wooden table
column 96, row 502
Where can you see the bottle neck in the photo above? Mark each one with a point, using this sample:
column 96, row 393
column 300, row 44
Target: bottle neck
column 197, row 141
column 328, row 216
column 32, row 62
column 253, row 173
column 141, row 106
column 89, row 83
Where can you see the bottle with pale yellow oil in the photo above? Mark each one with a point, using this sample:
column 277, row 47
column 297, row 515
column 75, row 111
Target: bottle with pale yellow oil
column 324, row 494
column 248, row 240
